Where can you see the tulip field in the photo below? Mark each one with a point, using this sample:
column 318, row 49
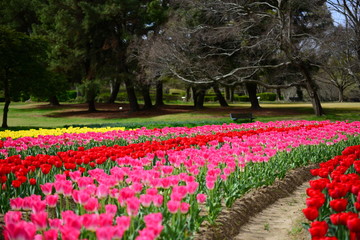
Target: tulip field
column 112, row 183
column 334, row 199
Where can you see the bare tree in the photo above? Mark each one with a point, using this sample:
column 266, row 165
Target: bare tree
column 233, row 42
column 340, row 62
column 350, row 10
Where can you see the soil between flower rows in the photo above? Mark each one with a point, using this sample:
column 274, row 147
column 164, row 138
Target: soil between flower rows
column 270, row 212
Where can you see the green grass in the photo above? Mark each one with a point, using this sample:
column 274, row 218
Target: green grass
column 27, row 115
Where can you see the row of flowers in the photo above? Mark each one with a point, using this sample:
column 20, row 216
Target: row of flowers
column 150, row 189
column 333, row 202
column 47, row 141
column 252, row 145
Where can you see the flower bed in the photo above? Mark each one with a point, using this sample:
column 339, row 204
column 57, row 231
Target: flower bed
column 334, row 201
column 47, row 141
column 155, row 188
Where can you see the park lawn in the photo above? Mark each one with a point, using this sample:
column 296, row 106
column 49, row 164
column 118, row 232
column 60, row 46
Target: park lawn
column 29, row 115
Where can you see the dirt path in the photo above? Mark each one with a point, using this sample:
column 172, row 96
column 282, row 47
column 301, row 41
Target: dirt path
column 280, row 221
column 270, row 212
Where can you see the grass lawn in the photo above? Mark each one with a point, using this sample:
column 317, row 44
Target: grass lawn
column 36, row 115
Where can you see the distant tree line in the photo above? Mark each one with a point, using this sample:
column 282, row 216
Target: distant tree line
column 47, row 46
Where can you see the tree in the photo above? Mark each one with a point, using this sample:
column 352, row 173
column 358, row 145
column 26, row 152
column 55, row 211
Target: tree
column 89, row 35
column 21, row 16
column 234, row 42
column 22, row 65
column 349, row 9
column 338, row 69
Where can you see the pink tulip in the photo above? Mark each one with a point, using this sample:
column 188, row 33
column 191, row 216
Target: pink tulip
column 126, row 193
column 158, row 200
column 39, row 220
column 201, row 198
column 146, row 200
column 111, row 209
column 83, row 182
column 92, row 205
column 12, row 217
column 153, row 219
column 105, row 233
column 39, row 206
column 165, row 183
column 133, row 206
column 124, row 222
column 210, row 185
column 102, row 191
column 175, row 196
column 118, row 232
column 173, row 206
column 55, row 223
column 146, row 234
column 192, row 187
column 106, row 219
column 60, row 177
column 60, row 185
column 151, row 191
column 67, row 189
column 69, row 233
column 51, row 200
column 20, row 230
column 137, row 187
column 90, row 221
column 38, row 237
column 51, row 234
column 70, row 219
column 16, row 203
column 80, row 196
column 184, row 207
column 75, row 175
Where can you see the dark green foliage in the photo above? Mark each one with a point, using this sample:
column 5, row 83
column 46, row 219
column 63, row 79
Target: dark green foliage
column 22, row 62
column 210, row 98
column 243, row 98
column 267, row 96
column 69, row 95
column 22, row 66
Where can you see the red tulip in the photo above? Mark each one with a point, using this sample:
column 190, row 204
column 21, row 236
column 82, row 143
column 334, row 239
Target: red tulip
column 339, row 205
column 353, row 224
column 318, row 229
column 16, row 183
column 311, row 213
column 32, row 181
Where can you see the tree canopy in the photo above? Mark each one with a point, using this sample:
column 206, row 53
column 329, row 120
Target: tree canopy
column 22, row 65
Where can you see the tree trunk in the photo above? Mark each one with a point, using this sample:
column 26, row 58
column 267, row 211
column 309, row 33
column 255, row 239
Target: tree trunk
column 188, row 94
column 341, row 94
column 159, row 101
column 7, row 101
column 130, row 90
column 5, row 113
column 232, row 94
column 227, row 93
column 219, row 96
column 315, row 101
column 115, row 87
column 200, row 96
column 299, row 93
column 145, row 90
column 54, row 101
column 195, row 95
column 278, row 94
column 311, row 89
column 251, row 89
column 91, row 104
